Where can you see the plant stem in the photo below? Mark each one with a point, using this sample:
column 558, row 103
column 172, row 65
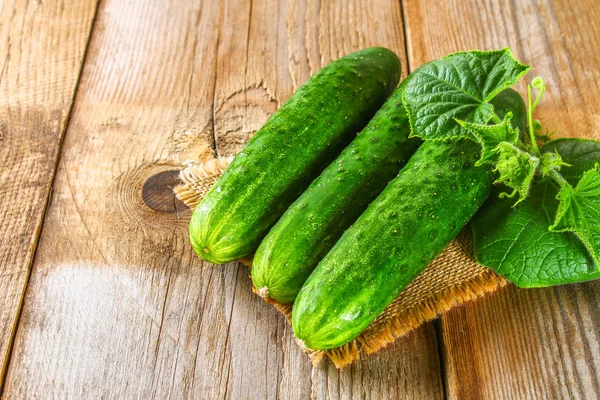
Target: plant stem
column 496, row 119
column 558, row 178
column 530, row 122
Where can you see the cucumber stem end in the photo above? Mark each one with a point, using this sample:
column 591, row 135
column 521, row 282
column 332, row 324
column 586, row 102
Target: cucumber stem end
column 263, row 292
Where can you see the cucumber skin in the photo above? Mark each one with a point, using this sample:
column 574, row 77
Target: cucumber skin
column 398, row 235
column 317, row 219
column 289, row 151
column 401, row 232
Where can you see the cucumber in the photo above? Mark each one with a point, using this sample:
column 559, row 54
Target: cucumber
column 401, row 232
column 289, row 151
column 317, row 219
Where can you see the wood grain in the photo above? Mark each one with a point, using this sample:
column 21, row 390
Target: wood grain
column 42, row 47
column 524, row 343
column 118, row 305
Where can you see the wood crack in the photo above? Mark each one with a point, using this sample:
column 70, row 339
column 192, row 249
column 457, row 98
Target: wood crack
column 162, row 319
column 214, row 95
column 193, row 68
column 6, row 59
column 227, row 337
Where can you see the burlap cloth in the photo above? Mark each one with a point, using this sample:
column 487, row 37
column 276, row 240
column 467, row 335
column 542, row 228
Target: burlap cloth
column 452, row 279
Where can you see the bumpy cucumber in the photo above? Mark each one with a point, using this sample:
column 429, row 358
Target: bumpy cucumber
column 317, row 219
column 289, row 151
column 408, row 224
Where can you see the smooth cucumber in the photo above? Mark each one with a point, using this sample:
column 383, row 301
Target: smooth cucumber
column 333, row 201
column 289, row 151
column 408, row 224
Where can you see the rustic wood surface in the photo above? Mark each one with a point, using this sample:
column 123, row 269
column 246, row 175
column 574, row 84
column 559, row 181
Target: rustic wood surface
column 42, row 48
column 118, row 306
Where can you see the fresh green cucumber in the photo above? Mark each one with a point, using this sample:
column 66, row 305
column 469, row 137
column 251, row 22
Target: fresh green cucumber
column 409, row 223
column 289, row 151
column 317, row 219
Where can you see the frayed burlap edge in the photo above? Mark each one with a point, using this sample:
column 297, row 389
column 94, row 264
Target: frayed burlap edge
column 452, row 279
column 197, row 178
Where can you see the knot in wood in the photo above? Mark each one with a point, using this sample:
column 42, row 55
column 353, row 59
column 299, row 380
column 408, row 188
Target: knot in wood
column 157, row 192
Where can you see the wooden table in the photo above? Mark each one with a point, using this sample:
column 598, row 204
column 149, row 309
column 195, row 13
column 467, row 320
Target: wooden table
column 102, row 296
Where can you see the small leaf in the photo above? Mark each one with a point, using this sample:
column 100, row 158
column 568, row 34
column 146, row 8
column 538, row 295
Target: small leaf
column 579, row 211
column 540, row 134
column 551, row 162
column 516, row 169
column 516, row 243
column 490, row 136
column 510, row 100
column 580, row 154
column 459, row 86
column 483, row 113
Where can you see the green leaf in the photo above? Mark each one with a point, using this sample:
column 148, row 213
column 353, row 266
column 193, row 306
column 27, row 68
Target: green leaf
column 579, row 211
column 551, row 162
column 511, row 101
column 516, row 169
column 490, row 136
column 516, row 242
column 459, row 86
column 580, row 154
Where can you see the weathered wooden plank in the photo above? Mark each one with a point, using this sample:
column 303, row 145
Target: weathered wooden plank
column 524, row 343
column 42, row 47
column 118, row 303
column 115, row 289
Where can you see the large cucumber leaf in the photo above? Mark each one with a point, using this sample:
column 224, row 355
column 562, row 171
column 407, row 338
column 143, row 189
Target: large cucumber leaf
column 516, row 242
column 458, row 87
column 579, row 211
